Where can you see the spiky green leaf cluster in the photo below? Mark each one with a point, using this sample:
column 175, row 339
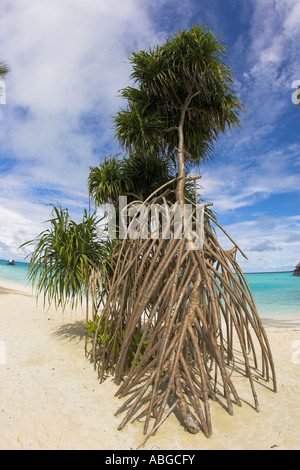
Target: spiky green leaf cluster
column 135, row 176
column 189, row 66
column 4, row 68
column 63, row 256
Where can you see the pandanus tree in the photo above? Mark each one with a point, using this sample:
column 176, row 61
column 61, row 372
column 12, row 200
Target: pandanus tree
column 67, row 258
column 64, row 255
column 183, row 296
column 135, row 176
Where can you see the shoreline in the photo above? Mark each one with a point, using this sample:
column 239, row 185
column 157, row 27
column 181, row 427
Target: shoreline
column 51, row 397
column 16, row 286
column 278, row 320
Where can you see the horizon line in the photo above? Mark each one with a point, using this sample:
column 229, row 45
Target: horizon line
column 253, row 272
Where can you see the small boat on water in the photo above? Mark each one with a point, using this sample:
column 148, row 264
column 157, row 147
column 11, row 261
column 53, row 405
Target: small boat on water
column 11, row 262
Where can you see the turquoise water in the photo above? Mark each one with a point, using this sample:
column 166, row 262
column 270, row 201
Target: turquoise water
column 17, row 273
column 276, row 294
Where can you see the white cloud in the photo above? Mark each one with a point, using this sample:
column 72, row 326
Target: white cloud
column 264, row 245
column 68, row 60
column 244, row 182
column 17, row 225
column 269, row 244
column 271, row 58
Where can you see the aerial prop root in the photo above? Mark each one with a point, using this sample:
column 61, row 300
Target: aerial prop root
column 177, row 314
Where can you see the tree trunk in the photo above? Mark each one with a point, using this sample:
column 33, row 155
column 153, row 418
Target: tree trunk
column 180, row 149
column 180, row 160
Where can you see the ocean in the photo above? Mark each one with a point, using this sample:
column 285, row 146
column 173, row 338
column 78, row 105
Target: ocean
column 17, row 273
column 277, row 295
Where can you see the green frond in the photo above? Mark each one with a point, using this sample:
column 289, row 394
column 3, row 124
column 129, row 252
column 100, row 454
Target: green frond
column 105, row 182
column 63, row 256
column 191, row 63
column 4, row 68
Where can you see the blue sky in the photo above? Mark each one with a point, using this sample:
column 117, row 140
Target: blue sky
column 68, row 61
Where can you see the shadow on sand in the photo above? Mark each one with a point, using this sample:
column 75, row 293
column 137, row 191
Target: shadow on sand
column 6, row 291
column 71, row 331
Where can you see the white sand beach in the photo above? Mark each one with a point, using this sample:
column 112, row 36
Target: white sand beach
column 50, row 396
